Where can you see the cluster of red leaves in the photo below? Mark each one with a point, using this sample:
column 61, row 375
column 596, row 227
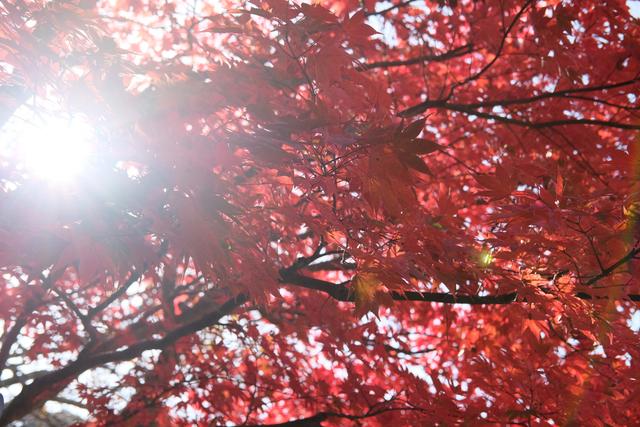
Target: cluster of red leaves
column 270, row 172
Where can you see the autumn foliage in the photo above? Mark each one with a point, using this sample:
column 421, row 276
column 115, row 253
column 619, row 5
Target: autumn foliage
column 337, row 213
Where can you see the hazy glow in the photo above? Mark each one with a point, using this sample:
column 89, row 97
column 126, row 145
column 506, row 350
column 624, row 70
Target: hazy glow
column 52, row 149
column 57, row 151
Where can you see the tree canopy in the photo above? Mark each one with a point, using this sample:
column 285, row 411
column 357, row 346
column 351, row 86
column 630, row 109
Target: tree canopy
column 332, row 213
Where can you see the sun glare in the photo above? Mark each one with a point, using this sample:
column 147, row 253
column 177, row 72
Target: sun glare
column 52, row 149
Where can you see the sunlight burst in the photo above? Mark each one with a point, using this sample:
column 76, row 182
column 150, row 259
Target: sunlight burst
column 52, row 149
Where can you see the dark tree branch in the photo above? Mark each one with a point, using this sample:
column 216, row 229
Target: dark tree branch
column 484, row 69
column 556, row 94
column 391, row 349
column 48, row 385
column 313, row 421
column 86, row 321
column 134, row 277
column 463, row 108
column 390, row 8
column 607, row 271
column 454, row 53
column 567, row 93
column 317, row 419
column 342, row 292
column 72, row 402
column 22, row 378
column 10, row 338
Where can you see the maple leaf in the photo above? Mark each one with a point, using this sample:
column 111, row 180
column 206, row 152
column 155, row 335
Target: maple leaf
column 366, row 286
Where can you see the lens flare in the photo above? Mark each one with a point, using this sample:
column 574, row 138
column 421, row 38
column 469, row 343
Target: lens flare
column 51, row 149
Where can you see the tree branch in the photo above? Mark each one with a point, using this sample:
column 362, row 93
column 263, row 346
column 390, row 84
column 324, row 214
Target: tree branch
column 86, row 321
column 607, row 271
column 313, row 421
column 317, row 419
column 135, row 276
column 454, row 53
column 463, row 108
column 341, row 291
column 12, row 335
column 390, row 8
column 556, row 94
column 22, row 378
column 500, row 48
column 567, row 93
column 48, row 385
